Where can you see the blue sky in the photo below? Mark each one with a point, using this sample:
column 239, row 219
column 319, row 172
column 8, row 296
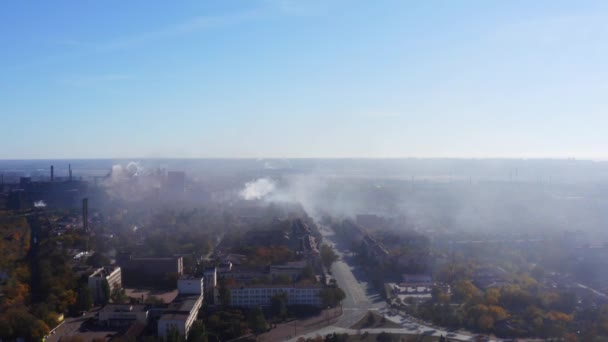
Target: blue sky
column 280, row 78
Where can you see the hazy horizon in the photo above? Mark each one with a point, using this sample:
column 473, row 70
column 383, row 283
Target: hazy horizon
column 303, row 79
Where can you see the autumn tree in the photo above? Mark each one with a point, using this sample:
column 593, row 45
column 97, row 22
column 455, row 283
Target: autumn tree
column 328, row 256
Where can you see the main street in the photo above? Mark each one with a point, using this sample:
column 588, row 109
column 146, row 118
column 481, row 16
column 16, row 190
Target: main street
column 361, row 297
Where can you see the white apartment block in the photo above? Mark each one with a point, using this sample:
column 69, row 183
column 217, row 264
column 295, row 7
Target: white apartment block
column 110, row 274
column 261, row 295
column 189, row 285
column 180, row 315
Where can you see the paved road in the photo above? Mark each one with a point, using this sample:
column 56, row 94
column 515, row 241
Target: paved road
column 70, row 327
column 361, row 298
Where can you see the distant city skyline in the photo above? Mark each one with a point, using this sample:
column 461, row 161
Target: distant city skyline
column 298, row 79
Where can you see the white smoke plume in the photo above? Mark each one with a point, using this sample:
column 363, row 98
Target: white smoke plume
column 132, row 181
column 258, row 189
column 132, row 169
column 40, row 204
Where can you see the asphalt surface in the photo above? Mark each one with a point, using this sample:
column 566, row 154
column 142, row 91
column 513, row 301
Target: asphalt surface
column 361, row 298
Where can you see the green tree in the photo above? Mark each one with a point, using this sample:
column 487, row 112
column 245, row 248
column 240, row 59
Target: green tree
column 257, row 322
column 282, row 279
column 98, row 260
column 224, row 293
column 332, row 296
column 198, row 332
column 308, row 273
column 118, row 295
column 173, row 335
column 84, row 302
column 154, row 300
column 105, row 290
column 278, row 304
column 328, row 256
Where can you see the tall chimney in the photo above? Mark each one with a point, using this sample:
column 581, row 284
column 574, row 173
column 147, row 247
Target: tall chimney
column 52, row 173
column 85, row 214
column 70, row 170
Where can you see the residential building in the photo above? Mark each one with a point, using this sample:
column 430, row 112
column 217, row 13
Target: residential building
column 190, row 285
column 210, row 284
column 261, row 295
column 111, row 274
column 151, row 266
column 292, row 269
column 122, row 315
column 180, row 315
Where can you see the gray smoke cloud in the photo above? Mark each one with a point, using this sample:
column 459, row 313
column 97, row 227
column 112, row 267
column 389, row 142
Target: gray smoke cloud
column 132, row 181
column 258, row 189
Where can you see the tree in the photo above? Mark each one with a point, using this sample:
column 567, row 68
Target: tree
column 98, row 260
column 492, row 296
column 465, row 290
column 283, row 279
column 173, row 335
column 328, row 256
column 257, row 322
column 485, row 322
column 118, row 295
column 223, row 293
column 197, row 332
column 332, row 296
column 84, row 302
column 278, row 304
column 154, row 300
column 308, row 273
column 105, row 290
column 384, row 337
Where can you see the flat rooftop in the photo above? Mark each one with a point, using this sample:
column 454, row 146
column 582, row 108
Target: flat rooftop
column 174, row 317
column 123, row 308
column 183, row 303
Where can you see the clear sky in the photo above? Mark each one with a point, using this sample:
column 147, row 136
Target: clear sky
column 281, row 78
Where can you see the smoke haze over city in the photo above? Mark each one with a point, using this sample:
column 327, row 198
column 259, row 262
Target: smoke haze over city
column 304, row 171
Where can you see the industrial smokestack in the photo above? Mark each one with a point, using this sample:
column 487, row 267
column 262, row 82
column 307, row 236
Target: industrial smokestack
column 85, row 214
column 70, row 171
column 52, row 173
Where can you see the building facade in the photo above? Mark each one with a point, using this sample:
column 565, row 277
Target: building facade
column 180, row 315
column 210, row 284
column 96, row 281
column 190, row 285
column 261, row 295
column 122, row 315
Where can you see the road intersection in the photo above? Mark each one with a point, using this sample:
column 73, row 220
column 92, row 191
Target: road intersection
column 361, row 298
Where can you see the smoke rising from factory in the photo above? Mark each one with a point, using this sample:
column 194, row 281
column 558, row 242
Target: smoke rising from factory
column 40, row 204
column 258, row 189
